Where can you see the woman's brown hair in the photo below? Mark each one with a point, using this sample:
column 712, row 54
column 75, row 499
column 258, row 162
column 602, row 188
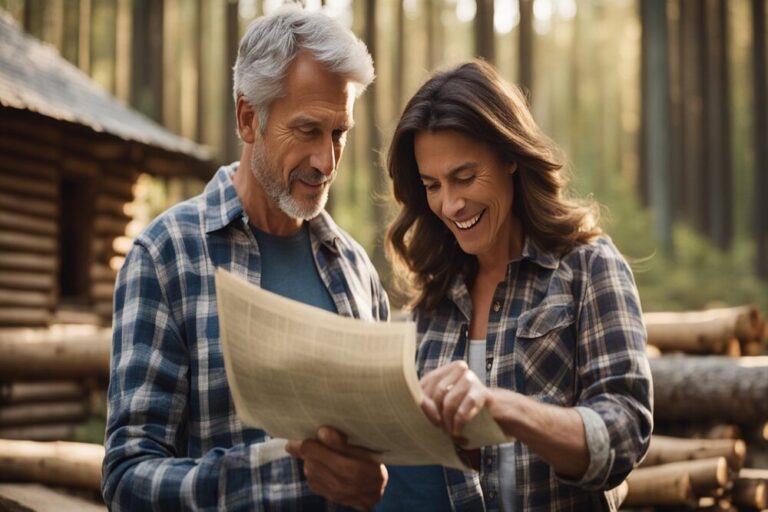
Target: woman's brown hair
column 475, row 100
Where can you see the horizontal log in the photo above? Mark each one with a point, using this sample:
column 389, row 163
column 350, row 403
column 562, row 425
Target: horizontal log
column 111, row 205
column 20, row 166
column 16, row 316
column 31, row 126
column 26, row 280
column 702, row 332
column 40, row 413
column 56, row 463
column 102, row 273
column 28, row 243
column 78, row 166
column 706, row 475
column 45, row 208
column 646, row 490
column 48, row 432
column 29, row 186
column 102, row 292
column 36, row 300
column 47, row 391
column 24, row 497
column 752, row 493
column 665, row 449
column 75, row 316
column 28, row 223
column 700, row 388
column 24, row 148
column 56, row 358
column 121, row 188
column 104, row 225
column 26, row 261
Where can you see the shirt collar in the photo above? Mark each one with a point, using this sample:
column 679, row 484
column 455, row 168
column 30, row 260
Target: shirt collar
column 223, row 206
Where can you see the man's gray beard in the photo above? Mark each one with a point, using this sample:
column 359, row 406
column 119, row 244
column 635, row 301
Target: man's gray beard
column 280, row 193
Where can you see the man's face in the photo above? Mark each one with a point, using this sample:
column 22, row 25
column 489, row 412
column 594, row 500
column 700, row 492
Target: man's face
column 296, row 158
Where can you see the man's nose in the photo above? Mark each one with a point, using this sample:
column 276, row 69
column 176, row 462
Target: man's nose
column 324, row 157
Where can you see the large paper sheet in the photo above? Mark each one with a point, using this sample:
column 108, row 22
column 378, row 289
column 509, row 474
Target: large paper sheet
column 293, row 368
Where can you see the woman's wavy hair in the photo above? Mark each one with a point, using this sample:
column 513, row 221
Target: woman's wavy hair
column 475, row 100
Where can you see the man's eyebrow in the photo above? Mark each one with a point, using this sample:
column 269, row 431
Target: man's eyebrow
column 303, row 120
column 453, row 172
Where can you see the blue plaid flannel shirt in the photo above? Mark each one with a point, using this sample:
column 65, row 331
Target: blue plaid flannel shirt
column 172, row 439
column 565, row 331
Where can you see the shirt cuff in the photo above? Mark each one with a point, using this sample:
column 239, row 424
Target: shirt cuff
column 599, row 445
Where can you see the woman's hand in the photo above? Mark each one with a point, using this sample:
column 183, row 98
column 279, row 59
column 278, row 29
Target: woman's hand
column 453, row 395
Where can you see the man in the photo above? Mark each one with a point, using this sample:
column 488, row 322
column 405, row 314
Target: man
column 173, row 440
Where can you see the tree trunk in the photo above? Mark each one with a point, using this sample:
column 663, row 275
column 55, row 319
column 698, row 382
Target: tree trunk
column 760, row 79
column 57, row 463
column 694, row 388
column 666, row 449
column 484, row 31
column 647, row 490
column 42, row 413
column 55, row 358
column 703, row 332
column 26, row 392
column 525, row 58
column 706, row 476
column 751, row 492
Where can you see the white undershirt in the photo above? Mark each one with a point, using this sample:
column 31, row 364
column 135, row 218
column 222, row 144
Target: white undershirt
column 476, row 362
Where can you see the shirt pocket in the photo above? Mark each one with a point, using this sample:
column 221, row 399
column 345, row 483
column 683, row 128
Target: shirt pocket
column 546, row 352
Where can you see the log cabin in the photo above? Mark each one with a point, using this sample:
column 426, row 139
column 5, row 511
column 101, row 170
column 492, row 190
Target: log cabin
column 70, row 155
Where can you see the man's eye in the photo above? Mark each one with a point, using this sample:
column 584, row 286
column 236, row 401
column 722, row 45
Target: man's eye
column 306, row 130
column 465, row 180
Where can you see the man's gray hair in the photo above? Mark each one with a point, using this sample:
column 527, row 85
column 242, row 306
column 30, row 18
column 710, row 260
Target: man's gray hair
column 271, row 42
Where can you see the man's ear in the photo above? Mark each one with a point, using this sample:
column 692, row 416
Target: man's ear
column 247, row 121
column 512, row 167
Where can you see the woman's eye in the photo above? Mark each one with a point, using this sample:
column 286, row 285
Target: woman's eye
column 431, row 187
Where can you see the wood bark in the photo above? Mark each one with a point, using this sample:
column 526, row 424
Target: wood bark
column 23, row 316
column 648, row 490
column 23, row 497
column 49, row 432
column 28, row 186
column 31, row 243
column 54, row 358
column 56, row 463
column 752, row 493
column 715, row 388
column 28, row 223
column 41, row 413
column 26, row 392
column 41, row 208
column 25, row 299
column 26, row 280
column 702, row 332
column 665, row 449
column 26, row 261
column 706, row 475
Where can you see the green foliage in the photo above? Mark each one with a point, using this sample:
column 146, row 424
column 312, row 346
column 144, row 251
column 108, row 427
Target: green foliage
column 697, row 275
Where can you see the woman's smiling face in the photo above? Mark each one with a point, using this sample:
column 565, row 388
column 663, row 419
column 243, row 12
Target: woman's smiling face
column 469, row 188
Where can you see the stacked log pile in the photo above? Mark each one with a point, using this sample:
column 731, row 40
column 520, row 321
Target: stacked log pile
column 49, row 380
column 711, row 392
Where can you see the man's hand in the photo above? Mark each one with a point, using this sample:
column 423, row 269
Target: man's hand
column 343, row 473
column 453, row 395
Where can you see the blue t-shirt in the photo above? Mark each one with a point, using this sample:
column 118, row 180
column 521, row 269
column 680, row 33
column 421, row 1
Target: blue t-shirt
column 421, row 488
column 288, row 268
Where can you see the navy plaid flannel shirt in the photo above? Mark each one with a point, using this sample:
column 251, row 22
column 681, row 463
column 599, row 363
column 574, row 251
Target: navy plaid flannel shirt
column 565, row 331
column 172, row 439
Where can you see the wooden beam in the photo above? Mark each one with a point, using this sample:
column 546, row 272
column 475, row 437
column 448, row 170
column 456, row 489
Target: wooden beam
column 104, row 225
column 35, row 300
column 31, row 243
column 102, row 292
column 25, row 149
column 56, row 357
column 57, row 463
column 48, row 391
column 27, row 261
column 28, row 186
column 705, row 475
column 39, row 413
column 15, row 316
column 26, row 167
column 81, row 167
column 111, row 205
column 37, row 207
column 664, row 449
column 117, row 187
column 26, row 280
column 28, row 223
column 648, row 490
column 23, row 497
column 50, row 432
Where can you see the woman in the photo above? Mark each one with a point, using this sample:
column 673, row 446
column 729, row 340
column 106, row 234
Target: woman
column 522, row 305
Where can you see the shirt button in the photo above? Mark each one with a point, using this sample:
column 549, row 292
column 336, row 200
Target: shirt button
column 492, row 494
column 489, row 365
column 496, row 306
column 488, row 461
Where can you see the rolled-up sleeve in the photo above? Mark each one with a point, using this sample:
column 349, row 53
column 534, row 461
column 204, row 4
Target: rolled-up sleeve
column 613, row 370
